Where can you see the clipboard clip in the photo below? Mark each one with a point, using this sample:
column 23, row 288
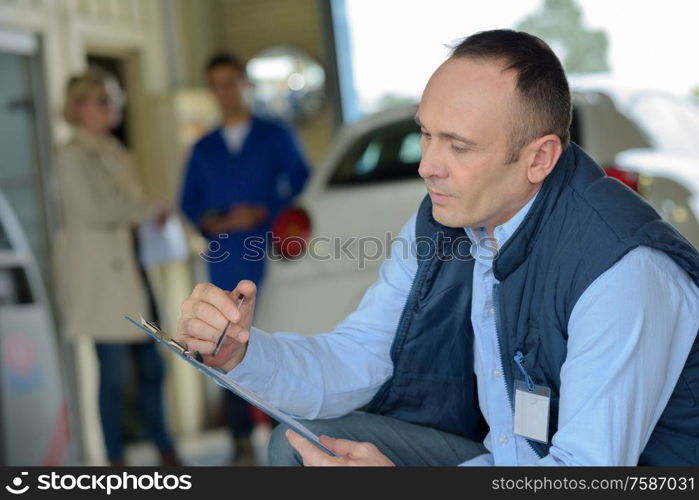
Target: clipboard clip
column 153, row 327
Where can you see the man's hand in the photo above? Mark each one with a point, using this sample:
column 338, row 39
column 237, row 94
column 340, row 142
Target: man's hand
column 349, row 453
column 242, row 217
column 206, row 313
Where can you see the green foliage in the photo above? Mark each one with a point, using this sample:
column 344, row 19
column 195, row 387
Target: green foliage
column 560, row 24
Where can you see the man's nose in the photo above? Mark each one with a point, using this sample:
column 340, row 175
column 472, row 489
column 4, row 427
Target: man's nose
column 432, row 162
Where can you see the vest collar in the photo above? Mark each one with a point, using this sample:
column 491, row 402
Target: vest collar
column 502, row 232
column 519, row 245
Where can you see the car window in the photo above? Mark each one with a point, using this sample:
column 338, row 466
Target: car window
column 4, row 239
column 388, row 153
column 673, row 123
column 393, row 153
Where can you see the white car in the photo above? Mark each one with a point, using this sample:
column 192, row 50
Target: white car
column 369, row 187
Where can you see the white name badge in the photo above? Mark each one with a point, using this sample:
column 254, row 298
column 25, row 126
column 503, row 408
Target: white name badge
column 532, row 411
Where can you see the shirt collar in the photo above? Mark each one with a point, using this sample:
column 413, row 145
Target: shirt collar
column 503, row 232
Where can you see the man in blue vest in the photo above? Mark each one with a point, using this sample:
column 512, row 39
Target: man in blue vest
column 551, row 320
column 238, row 178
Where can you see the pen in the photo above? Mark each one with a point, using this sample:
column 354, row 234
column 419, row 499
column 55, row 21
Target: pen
column 219, row 342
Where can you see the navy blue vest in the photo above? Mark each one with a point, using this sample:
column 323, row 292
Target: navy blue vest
column 581, row 223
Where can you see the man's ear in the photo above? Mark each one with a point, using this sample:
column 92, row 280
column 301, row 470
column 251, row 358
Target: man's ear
column 544, row 152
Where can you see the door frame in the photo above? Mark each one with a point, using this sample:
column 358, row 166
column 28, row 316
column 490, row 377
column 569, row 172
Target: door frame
column 28, row 44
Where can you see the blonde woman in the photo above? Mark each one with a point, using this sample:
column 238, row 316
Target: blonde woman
column 98, row 276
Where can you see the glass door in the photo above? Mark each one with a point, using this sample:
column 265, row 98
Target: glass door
column 24, row 142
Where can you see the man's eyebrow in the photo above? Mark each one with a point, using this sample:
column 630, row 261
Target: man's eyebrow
column 460, row 138
column 451, row 135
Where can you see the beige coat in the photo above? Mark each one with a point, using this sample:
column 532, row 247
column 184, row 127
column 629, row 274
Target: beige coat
column 97, row 278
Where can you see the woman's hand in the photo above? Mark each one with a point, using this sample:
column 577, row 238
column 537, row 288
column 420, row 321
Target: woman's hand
column 162, row 212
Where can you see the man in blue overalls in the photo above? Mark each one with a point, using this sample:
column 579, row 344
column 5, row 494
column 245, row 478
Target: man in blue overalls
column 238, row 178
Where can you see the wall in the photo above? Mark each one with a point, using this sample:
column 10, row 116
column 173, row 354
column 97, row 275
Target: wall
column 67, row 31
column 251, row 26
column 164, row 45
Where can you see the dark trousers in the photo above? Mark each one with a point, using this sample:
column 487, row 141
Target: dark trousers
column 238, row 412
column 238, row 415
column 113, row 369
column 404, row 443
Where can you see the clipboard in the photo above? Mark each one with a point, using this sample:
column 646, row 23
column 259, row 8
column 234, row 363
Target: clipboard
column 195, row 359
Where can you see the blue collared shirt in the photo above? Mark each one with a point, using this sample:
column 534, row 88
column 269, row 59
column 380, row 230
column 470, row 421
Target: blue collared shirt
column 504, row 446
column 629, row 336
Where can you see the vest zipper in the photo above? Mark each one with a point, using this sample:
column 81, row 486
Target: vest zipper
column 496, row 306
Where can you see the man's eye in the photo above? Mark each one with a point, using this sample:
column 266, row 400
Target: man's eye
column 424, row 134
column 457, row 149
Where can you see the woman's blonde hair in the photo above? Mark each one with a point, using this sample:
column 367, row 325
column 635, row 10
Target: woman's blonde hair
column 81, row 87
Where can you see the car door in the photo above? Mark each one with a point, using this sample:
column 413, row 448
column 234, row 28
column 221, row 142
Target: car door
column 367, row 196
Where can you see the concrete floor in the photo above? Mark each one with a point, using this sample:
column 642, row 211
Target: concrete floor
column 214, row 447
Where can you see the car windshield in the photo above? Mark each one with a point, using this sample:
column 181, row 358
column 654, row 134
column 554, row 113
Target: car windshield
column 389, row 153
column 671, row 122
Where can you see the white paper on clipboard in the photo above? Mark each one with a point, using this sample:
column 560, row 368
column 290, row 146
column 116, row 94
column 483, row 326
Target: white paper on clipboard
column 162, row 244
column 241, row 391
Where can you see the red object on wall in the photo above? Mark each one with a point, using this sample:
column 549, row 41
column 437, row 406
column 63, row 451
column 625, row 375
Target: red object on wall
column 291, row 231
column 625, row 176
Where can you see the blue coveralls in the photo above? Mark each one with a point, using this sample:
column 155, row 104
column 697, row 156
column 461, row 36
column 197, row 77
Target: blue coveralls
column 269, row 169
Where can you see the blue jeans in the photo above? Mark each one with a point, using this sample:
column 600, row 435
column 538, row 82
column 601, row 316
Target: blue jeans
column 113, row 365
column 404, row 443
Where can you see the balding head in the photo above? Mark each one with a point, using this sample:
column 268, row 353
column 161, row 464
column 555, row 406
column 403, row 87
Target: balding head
column 486, row 147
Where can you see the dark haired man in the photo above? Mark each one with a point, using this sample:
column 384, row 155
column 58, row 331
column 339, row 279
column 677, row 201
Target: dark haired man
column 576, row 345
column 238, row 177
